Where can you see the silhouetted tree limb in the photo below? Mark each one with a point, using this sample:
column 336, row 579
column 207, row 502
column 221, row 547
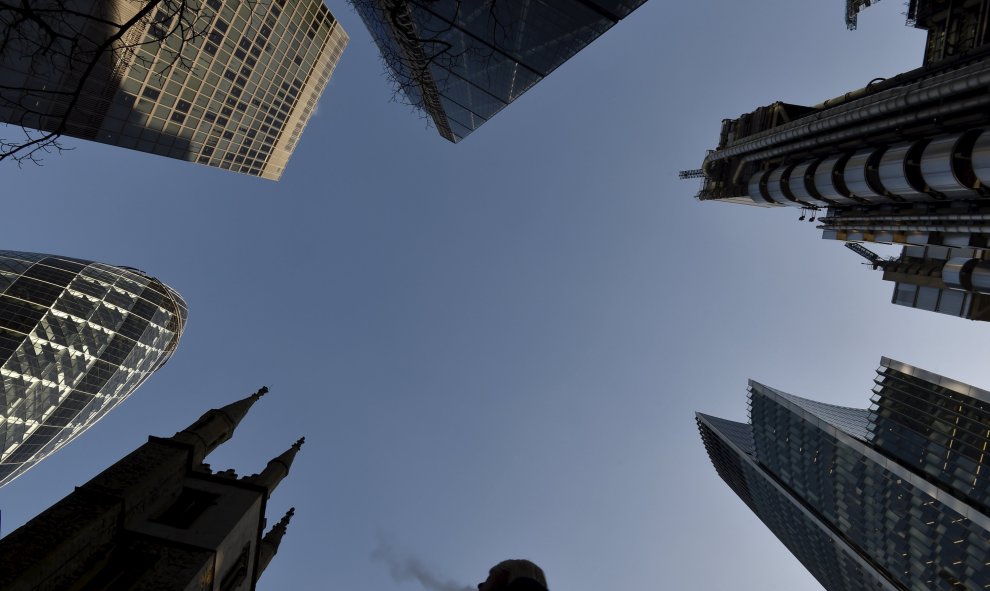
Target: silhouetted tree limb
column 418, row 59
column 52, row 52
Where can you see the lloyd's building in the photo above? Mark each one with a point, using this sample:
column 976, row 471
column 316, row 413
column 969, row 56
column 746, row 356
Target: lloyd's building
column 904, row 160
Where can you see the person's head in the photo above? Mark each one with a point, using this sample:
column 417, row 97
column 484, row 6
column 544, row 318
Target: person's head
column 514, row 575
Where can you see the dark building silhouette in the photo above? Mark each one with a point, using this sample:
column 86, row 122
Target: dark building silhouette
column 891, row 498
column 904, row 160
column 157, row 519
column 463, row 61
column 76, row 339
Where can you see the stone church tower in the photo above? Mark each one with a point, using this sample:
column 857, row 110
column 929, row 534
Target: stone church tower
column 157, row 519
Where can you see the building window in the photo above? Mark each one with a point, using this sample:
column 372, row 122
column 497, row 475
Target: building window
column 187, row 508
column 237, row 572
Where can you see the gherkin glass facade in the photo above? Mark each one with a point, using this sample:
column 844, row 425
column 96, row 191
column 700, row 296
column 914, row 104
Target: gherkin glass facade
column 892, row 497
column 76, row 338
column 463, row 61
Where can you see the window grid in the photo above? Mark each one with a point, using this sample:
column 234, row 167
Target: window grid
column 258, row 72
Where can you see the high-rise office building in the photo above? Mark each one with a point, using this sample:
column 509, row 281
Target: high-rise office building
column 76, row 339
column 905, row 160
column 463, row 61
column 226, row 83
column 159, row 519
column 893, row 498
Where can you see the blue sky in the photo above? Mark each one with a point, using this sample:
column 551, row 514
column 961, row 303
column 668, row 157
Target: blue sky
column 495, row 349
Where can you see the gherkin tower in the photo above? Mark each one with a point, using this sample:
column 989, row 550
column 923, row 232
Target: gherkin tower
column 76, row 338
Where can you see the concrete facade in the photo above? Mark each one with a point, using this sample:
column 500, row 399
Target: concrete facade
column 225, row 83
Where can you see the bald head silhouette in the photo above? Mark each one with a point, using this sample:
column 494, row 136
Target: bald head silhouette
column 514, row 575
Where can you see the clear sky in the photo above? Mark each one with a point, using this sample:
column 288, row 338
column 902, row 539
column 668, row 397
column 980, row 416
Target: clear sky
column 495, row 349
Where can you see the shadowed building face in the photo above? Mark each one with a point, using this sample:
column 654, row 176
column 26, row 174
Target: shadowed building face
column 76, row 339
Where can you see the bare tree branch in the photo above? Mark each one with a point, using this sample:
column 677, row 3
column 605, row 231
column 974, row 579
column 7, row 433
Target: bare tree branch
column 419, row 59
column 56, row 53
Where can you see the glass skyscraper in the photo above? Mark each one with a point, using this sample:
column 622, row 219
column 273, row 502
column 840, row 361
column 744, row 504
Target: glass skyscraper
column 76, row 339
column 463, row 61
column 893, row 497
column 226, row 83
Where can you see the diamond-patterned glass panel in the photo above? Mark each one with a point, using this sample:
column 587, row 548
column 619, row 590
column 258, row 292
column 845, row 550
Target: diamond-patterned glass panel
column 76, row 338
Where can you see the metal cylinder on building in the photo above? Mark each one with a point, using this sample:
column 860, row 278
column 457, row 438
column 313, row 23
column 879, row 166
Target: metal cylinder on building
column 757, row 187
column 947, row 168
column 980, row 160
column 979, row 278
column 777, row 191
column 967, row 274
column 899, row 171
column 860, row 167
column 801, row 188
column 828, row 179
column 956, row 272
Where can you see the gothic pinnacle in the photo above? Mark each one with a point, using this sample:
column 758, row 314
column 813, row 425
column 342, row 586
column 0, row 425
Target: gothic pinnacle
column 277, row 468
column 217, row 426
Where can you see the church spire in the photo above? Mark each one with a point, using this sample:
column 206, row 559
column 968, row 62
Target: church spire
column 277, row 468
column 269, row 543
column 216, row 426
